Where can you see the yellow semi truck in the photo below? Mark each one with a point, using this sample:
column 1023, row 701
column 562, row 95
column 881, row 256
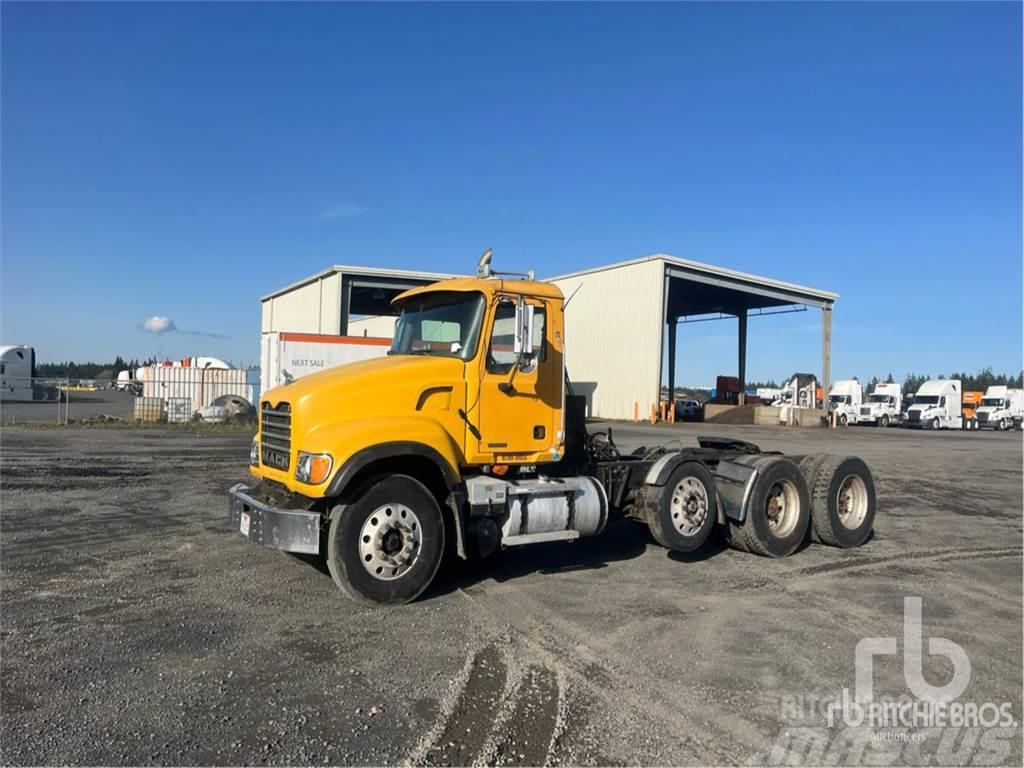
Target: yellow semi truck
column 467, row 437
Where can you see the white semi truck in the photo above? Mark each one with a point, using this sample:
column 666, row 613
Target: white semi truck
column 1001, row 408
column 937, row 405
column 17, row 363
column 844, row 401
column 883, row 405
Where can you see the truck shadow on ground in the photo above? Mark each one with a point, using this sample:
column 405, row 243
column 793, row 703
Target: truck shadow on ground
column 621, row 540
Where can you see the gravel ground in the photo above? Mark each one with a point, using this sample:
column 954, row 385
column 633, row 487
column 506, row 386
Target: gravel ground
column 137, row 628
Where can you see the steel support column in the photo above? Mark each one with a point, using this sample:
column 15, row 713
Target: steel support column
column 673, row 326
column 826, row 350
column 742, row 361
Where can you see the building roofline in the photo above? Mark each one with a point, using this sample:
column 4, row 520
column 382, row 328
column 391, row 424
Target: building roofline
column 349, row 269
column 709, row 269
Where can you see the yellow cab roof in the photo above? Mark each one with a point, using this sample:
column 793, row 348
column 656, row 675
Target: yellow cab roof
column 489, row 286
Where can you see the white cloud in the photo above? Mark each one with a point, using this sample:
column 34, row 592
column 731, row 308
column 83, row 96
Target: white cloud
column 159, row 324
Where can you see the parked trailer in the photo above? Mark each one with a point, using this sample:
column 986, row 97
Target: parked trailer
column 285, row 357
column 1001, row 408
column 937, row 405
column 883, row 405
column 476, row 442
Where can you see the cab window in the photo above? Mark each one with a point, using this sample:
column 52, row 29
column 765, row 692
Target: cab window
column 501, row 354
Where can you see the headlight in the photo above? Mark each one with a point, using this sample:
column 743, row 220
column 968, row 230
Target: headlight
column 313, row 468
column 254, row 453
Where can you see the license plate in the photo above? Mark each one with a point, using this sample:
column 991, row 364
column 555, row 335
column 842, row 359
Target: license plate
column 243, row 526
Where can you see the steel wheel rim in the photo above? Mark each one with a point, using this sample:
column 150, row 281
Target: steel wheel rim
column 389, row 541
column 852, row 502
column 689, row 506
column 782, row 508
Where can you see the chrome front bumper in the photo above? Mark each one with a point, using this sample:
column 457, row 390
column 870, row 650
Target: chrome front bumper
column 292, row 530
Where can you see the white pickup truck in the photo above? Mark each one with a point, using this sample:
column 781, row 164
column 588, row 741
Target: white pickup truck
column 883, row 406
column 1001, row 408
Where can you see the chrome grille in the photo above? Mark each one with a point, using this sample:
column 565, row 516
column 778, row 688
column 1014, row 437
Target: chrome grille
column 982, row 418
column 914, row 416
column 865, row 411
column 276, row 435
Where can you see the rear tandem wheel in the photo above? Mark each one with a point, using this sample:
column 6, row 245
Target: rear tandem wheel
column 778, row 512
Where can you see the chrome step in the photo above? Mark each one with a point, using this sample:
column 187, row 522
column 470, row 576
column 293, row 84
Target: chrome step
column 539, row 538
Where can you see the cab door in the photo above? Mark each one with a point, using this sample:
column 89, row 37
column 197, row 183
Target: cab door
column 520, row 405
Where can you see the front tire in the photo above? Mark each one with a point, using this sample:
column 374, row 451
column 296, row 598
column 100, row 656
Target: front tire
column 684, row 511
column 935, row 423
column 385, row 546
column 778, row 512
column 842, row 420
column 884, row 421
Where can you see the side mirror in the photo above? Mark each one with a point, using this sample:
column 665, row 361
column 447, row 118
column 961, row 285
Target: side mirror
column 524, row 331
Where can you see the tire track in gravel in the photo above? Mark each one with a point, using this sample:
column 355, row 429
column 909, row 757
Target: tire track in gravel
column 469, row 723
column 557, row 644
column 506, row 708
column 528, row 735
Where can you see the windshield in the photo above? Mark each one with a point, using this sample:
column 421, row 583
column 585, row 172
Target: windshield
column 926, row 399
column 445, row 324
column 880, row 399
column 839, row 399
column 993, row 402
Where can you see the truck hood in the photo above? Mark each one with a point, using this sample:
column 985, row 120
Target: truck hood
column 381, row 386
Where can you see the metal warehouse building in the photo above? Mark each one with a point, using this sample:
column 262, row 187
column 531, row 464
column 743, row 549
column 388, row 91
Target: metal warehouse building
column 620, row 318
column 339, row 301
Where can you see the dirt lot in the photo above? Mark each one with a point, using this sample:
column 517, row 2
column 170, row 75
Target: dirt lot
column 138, row 629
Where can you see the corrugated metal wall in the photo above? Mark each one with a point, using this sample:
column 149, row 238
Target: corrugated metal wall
column 311, row 308
column 380, row 326
column 614, row 327
column 201, row 385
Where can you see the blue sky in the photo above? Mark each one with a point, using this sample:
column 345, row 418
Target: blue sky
column 183, row 159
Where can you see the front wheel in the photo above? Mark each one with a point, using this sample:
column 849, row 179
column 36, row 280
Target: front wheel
column 842, row 420
column 385, row 546
column 1003, row 425
column 935, row 423
column 884, row 420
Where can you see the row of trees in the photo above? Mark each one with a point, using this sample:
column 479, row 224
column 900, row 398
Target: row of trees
column 979, row 381
column 71, row 370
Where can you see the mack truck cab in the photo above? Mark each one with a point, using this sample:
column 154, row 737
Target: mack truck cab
column 467, row 438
